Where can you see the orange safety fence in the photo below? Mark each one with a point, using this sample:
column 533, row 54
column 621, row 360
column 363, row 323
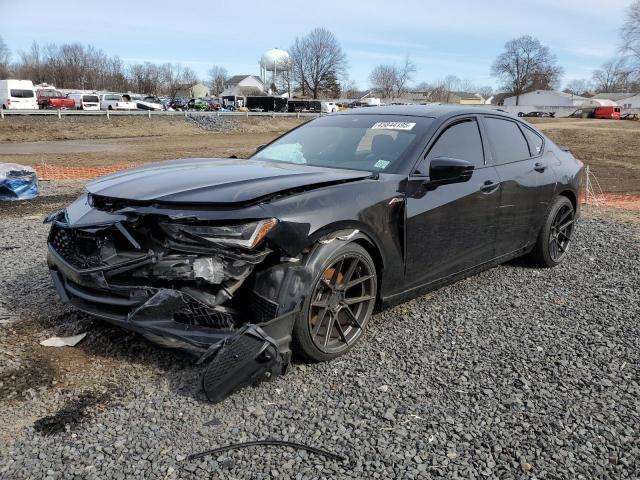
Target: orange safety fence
column 56, row 172
column 628, row 202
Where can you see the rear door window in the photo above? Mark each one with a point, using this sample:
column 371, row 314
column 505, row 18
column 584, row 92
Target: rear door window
column 90, row 98
column 508, row 142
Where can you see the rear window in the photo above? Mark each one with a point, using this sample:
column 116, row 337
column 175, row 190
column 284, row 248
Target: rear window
column 534, row 140
column 509, row 145
column 90, row 98
column 17, row 93
column 51, row 94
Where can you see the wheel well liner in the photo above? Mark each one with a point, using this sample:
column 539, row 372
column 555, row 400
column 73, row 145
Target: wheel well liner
column 571, row 196
column 372, row 250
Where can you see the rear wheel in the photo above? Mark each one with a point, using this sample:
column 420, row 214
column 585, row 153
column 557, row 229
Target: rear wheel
column 339, row 306
column 555, row 235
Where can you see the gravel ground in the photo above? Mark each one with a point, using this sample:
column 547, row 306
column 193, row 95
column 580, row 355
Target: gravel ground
column 212, row 123
column 513, row 373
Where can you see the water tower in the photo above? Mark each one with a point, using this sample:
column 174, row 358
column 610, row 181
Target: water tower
column 274, row 61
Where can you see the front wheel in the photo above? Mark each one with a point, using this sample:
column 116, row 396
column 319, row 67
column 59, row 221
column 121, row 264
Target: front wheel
column 555, row 235
column 338, row 307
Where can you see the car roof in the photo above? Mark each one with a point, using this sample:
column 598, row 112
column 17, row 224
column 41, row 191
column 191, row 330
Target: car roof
column 432, row 111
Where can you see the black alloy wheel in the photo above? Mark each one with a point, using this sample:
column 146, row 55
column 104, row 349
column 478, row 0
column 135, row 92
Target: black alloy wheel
column 560, row 235
column 554, row 238
column 339, row 306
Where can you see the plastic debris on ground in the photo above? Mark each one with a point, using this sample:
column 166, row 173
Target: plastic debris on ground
column 18, row 182
column 63, row 341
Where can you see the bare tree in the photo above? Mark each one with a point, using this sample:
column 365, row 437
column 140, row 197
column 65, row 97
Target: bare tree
column 579, row 86
column 613, row 76
column 630, row 32
column 5, row 58
column 404, row 75
column 284, row 78
column 383, row 79
column 391, row 81
column 315, row 57
column 217, row 77
column 485, row 91
column 349, row 88
column 526, row 65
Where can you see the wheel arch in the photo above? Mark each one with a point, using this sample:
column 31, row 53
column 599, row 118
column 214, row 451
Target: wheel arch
column 570, row 194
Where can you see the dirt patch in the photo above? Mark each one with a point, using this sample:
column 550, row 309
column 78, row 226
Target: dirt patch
column 39, row 372
column 39, row 206
column 74, row 412
column 88, row 142
column 611, row 148
column 38, row 129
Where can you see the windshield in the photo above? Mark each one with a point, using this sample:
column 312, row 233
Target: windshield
column 373, row 143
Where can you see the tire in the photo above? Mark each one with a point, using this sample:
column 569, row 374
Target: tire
column 109, row 107
column 344, row 329
column 554, row 238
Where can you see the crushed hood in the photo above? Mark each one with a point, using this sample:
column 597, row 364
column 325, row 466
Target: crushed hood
column 215, row 180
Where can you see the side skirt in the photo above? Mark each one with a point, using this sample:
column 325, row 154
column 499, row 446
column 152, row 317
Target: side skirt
column 419, row 290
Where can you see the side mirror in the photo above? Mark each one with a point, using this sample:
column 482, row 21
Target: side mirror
column 445, row 170
column 260, row 147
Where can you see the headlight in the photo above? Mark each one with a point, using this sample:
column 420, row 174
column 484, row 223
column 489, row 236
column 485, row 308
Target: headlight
column 246, row 235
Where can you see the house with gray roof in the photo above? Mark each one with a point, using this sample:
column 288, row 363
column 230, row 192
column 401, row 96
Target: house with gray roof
column 243, row 85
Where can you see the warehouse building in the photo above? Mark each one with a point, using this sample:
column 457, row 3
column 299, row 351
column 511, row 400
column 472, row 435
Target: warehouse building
column 626, row 100
column 545, row 98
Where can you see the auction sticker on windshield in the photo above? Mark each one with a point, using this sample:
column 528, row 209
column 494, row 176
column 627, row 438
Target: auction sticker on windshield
column 393, row 126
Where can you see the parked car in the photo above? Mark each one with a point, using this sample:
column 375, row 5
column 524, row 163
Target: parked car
column 18, row 95
column 537, row 114
column 198, row 104
column 178, row 104
column 239, row 261
column 329, row 107
column 50, row 98
column 115, row 101
column 85, row 101
column 150, row 103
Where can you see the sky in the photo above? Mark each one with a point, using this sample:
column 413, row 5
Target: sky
column 453, row 37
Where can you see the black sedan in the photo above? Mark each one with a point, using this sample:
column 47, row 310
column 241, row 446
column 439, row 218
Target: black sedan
column 243, row 261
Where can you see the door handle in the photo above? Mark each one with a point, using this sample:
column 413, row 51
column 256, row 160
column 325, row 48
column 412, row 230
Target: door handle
column 540, row 167
column 489, row 187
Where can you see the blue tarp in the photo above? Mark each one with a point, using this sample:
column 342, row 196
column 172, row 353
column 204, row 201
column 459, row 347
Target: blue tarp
column 17, row 182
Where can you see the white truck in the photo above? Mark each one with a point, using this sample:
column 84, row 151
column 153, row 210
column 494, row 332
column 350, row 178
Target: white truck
column 328, row 107
column 85, row 101
column 18, row 95
column 115, row 101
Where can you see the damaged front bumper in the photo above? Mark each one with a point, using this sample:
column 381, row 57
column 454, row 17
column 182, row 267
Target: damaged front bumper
column 179, row 291
column 154, row 313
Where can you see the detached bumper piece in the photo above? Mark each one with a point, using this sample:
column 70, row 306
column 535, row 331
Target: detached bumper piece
column 247, row 358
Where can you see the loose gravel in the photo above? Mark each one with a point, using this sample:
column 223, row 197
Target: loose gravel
column 212, row 122
column 513, row 373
